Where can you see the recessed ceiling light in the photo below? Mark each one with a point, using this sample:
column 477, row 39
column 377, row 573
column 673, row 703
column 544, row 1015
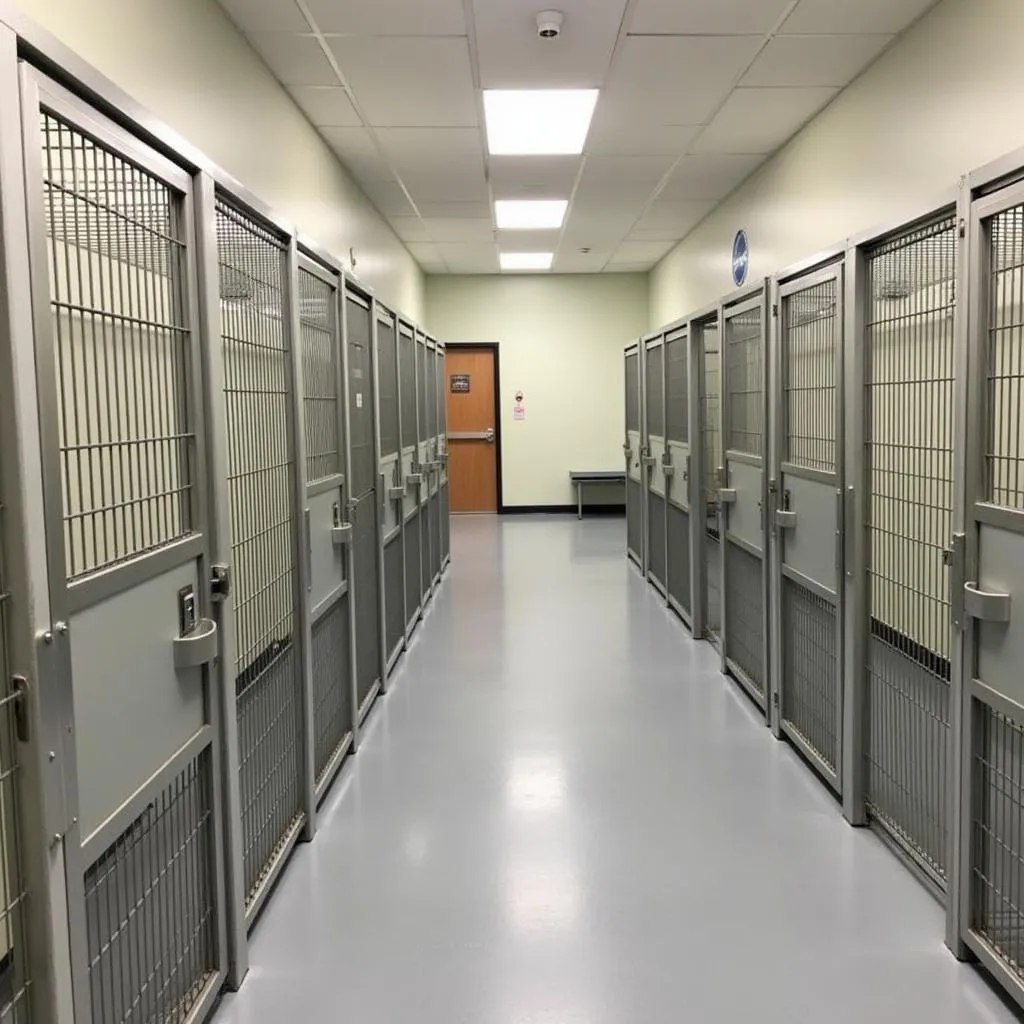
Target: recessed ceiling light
column 536, row 214
column 533, row 122
column 526, row 260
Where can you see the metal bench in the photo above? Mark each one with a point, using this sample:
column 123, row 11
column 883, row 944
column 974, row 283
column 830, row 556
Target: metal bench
column 580, row 479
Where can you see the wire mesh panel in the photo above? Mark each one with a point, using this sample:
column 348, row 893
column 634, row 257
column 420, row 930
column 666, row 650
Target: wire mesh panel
column 677, row 409
column 407, row 387
column 1004, row 455
column 809, row 346
column 413, row 569
column 909, row 401
column 149, row 908
column 261, row 467
column 744, row 594
column 122, row 347
column 711, row 442
column 366, row 573
column 394, row 590
column 654, row 371
column 810, row 681
column 632, row 391
column 997, row 824
column 332, row 695
column 320, row 376
column 744, row 382
column 360, row 396
column 387, row 375
column 679, row 556
column 15, row 977
column 656, row 535
column 634, row 524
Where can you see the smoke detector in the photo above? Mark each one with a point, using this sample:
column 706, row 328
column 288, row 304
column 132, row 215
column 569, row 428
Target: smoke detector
column 549, row 24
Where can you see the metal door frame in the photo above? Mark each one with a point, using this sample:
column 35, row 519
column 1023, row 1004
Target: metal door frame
column 649, row 461
column 857, row 493
column 745, row 300
column 635, row 348
column 412, row 615
column 38, row 92
column 679, row 330
column 442, row 455
column 324, row 267
column 823, row 267
column 240, row 917
column 42, row 811
column 987, row 193
column 698, row 324
column 383, row 315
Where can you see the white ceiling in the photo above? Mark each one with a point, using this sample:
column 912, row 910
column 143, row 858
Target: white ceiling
column 695, row 94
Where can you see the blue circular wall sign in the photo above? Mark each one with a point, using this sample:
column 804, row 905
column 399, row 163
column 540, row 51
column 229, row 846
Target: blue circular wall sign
column 740, row 258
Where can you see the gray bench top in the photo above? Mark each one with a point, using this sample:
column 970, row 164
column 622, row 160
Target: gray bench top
column 598, row 475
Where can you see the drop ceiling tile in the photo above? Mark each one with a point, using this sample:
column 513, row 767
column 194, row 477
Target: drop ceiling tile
column 533, row 177
column 703, row 176
column 389, row 17
column 602, row 193
column 841, row 16
column 409, row 145
column 630, row 268
column 707, row 17
column 410, row 229
column 265, row 15
column 528, row 241
column 617, row 134
column 355, row 148
column 675, row 79
column 659, row 234
column 761, row 120
column 326, row 105
column 455, row 210
column 388, row 198
column 641, row 252
column 460, row 229
column 466, row 185
column 512, row 56
column 294, row 59
column 425, row 252
column 626, row 170
column 470, row 258
column 814, row 60
column 673, row 218
column 409, row 82
column 573, row 262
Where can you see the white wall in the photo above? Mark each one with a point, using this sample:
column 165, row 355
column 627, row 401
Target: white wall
column 184, row 61
column 945, row 99
column 561, row 341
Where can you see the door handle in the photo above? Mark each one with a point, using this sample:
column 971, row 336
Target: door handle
column 985, row 604
column 785, row 520
column 396, row 493
column 341, row 535
column 196, row 647
column 727, row 495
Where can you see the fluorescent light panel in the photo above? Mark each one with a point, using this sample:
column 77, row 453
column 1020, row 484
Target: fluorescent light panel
column 526, row 260
column 526, row 214
column 536, row 122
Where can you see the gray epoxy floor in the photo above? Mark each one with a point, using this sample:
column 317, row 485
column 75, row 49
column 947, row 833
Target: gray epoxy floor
column 563, row 814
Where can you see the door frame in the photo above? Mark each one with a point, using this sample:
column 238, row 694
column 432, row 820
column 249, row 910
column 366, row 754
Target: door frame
column 495, row 351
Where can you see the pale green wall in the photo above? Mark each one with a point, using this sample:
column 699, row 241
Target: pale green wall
column 185, row 62
column 561, row 341
column 944, row 99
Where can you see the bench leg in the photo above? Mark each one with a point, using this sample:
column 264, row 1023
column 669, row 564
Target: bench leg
column 579, row 499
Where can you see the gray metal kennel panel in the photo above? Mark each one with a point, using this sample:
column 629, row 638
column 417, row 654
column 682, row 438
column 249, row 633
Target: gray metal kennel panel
column 677, row 470
column 326, row 511
column 258, row 395
column 808, row 516
column 359, row 346
column 365, row 570
column 122, row 440
column 654, row 459
column 709, row 418
column 631, row 450
column 908, row 359
column 743, row 493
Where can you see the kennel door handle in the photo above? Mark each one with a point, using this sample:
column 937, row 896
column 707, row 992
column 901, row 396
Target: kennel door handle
column 986, row 605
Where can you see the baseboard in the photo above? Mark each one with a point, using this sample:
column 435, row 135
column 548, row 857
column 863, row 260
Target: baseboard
column 562, row 510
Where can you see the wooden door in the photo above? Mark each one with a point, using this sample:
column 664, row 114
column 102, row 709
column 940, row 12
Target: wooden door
column 472, row 429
